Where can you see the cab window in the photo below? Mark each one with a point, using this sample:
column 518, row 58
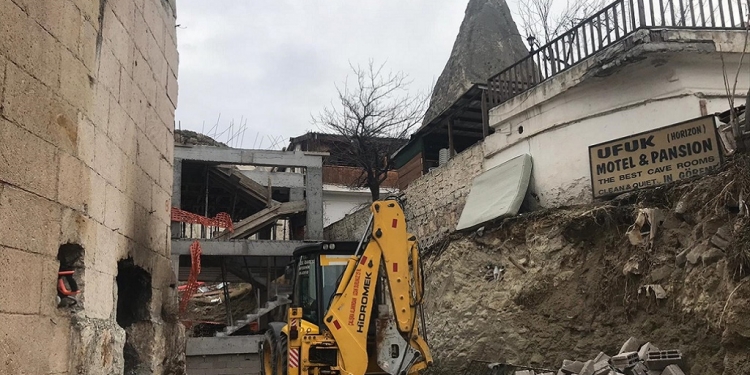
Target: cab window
column 306, row 293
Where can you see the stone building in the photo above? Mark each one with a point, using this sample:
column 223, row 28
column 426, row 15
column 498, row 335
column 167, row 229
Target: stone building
column 88, row 90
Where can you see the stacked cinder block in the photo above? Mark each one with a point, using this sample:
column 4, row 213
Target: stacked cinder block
column 634, row 358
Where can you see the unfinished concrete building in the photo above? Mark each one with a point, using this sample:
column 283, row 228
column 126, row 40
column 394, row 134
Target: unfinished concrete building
column 88, row 90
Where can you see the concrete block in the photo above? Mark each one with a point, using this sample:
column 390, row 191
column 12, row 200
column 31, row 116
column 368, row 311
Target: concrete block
column 129, row 96
column 117, row 209
column 525, row 372
column 124, row 11
column 638, row 369
column 657, row 360
column 97, row 198
column 87, row 45
column 172, row 87
column 20, row 275
column 154, row 54
column 601, row 368
column 28, row 356
column 110, row 71
column 28, row 45
column 73, row 187
column 161, row 203
column 48, row 293
column 29, row 222
column 572, row 367
column 117, row 248
column 645, row 349
column 154, row 15
column 144, row 78
column 155, row 131
column 166, row 175
column 631, row 345
column 59, row 18
column 89, row 10
column 624, row 360
column 75, row 86
column 672, row 370
column 147, row 156
column 116, row 36
column 86, row 143
column 165, row 108
column 143, row 189
column 171, row 54
column 588, row 368
column 122, row 129
column 109, row 160
column 98, row 294
column 98, row 110
column 27, row 160
column 24, row 95
column 117, row 245
column 601, row 357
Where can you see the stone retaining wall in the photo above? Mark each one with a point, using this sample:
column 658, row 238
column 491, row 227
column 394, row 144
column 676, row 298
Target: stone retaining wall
column 433, row 202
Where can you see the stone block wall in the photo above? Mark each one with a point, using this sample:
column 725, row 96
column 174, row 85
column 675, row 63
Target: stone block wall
column 230, row 364
column 88, row 90
column 433, row 202
column 350, row 228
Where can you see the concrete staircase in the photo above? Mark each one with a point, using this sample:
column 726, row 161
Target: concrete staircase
column 229, row 330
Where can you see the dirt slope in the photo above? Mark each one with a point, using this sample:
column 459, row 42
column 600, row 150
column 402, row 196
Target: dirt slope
column 579, row 294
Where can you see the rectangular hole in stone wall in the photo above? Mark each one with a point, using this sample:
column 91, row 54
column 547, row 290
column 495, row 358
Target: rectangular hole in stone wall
column 133, row 301
column 69, row 275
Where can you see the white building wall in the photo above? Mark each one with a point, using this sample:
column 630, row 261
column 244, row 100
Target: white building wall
column 565, row 115
column 339, row 201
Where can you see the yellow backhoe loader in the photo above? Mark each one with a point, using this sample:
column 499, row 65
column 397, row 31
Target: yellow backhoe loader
column 356, row 307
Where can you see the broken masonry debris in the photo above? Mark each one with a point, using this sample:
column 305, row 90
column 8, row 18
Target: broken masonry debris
column 624, row 360
column 656, row 289
column 672, row 370
column 645, row 349
column 631, row 345
column 571, row 367
column 659, row 360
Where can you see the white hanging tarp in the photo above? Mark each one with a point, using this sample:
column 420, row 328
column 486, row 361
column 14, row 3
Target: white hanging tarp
column 497, row 192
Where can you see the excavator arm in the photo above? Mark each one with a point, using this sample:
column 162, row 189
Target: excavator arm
column 390, row 255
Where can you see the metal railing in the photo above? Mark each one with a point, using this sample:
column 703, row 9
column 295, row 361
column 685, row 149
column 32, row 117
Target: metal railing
column 606, row 27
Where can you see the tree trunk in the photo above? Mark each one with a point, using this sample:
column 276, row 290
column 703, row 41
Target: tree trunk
column 374, row 186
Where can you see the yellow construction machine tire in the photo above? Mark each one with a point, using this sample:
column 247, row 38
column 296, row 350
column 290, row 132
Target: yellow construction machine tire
column 273, row 357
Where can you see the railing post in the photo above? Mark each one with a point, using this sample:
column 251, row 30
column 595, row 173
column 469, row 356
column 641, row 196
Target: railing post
column 641, row 14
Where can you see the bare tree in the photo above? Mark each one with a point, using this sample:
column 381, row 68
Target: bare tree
column 544, row 20
column 374, row 114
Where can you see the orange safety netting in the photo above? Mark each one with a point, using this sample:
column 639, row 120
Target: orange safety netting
column 195, row 270
column 222, row 220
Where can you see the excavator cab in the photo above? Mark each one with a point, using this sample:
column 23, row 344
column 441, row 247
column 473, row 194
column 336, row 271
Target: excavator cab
column 316, row 271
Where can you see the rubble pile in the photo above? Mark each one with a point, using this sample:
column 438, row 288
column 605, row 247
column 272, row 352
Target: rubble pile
column 669, row 265
column 633, row 358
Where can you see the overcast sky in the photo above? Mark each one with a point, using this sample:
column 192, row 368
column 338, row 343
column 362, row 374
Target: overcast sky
column 274, row 62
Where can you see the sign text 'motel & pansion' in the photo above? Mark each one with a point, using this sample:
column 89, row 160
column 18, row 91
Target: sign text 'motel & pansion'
column 655, row 157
